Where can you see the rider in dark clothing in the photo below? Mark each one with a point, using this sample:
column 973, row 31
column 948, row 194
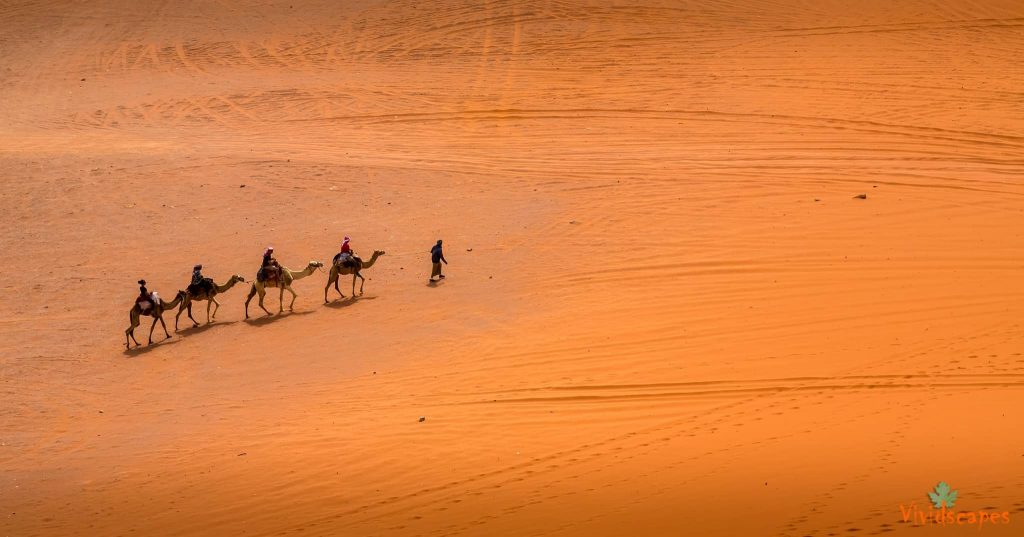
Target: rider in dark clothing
column 436, row 257
column 199, row 282
column 144, row 299
column 270, row 269
column 197, row 275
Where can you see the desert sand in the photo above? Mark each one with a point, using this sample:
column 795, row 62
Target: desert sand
column 666, row 310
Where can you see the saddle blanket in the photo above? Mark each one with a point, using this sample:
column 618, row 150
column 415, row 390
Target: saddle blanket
column 153, row 299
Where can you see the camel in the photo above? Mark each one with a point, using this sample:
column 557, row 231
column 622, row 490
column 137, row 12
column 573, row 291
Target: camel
column 207, row 294
column 337, row 269
column 157, row 312
column 284, row 282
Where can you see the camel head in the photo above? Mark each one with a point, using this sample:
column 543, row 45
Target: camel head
column 238, row 278
column 378, row 252
column 315, row 264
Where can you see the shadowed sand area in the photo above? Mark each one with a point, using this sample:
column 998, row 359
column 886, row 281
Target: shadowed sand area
column 676, row 318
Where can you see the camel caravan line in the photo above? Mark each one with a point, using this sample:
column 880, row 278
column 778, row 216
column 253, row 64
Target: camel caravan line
column 270, row 275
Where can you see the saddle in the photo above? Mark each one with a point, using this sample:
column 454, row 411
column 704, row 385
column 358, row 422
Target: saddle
column 147, row 302
column 351, row 261
column 268, row 274
column 204, row 287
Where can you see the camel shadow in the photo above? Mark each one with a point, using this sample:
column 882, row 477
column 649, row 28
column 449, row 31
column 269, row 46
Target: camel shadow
column 347, row 301
column 144, row 348
column 434, row 283
column 267, row 319
column 203, row 327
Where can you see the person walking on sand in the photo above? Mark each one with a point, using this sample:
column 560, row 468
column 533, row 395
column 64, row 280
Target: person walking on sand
column 436, row 257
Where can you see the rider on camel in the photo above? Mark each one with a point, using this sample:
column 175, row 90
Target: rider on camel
column 345, row 255
column 270, row 269
column 199, row 282
column 145, row 299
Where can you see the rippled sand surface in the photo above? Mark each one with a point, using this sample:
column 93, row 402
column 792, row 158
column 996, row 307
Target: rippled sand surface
column 717, row 268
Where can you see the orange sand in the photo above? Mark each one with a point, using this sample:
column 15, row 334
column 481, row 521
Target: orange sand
column 675, row 318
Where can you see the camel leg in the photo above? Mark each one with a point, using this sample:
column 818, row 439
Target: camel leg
column 213, row 301
column 252, row 293
column 130, row 332
column 280, row 300
column 292, row 305
column 336, row 288
column 151, row 327
column 354, row 283
column 177, row 316
column 263, row 294
column 163, row 324
column 327, row 287
column 362, row 282
column 189, row 308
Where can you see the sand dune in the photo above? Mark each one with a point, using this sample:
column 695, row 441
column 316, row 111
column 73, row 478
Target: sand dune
column 667, row 313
